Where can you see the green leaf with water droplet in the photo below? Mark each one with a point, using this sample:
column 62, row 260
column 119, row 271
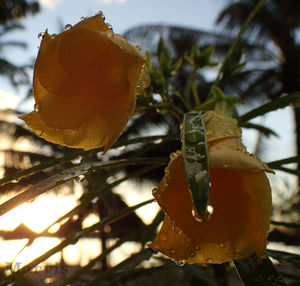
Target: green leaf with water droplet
column 253, row 273
column 280, row 102
column 195, row 158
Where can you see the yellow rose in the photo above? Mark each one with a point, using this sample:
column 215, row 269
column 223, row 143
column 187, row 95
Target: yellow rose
column 85, row 82
column 240, row 195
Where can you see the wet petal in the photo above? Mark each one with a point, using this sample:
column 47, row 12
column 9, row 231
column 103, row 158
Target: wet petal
column 85, row 80
column 240, row 195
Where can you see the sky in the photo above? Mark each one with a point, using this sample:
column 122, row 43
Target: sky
column 126, row 14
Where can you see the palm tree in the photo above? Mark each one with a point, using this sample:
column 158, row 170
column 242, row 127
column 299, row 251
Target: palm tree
column 10, row 13
column 276, row 26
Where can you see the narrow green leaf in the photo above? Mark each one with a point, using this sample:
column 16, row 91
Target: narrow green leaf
column 288, row 170
column 115, row 272
column 283, row 256
column 75, row 237
column 278, row 163
column 286, row 224
column 91, row 195
column 73, row 173
column 264, row 130
column 100, row 257
column 280, row 102
column 253, row 273
column 59, row 161
column 195, row 158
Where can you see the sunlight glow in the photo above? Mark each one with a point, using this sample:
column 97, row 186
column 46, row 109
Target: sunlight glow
column 38, row 214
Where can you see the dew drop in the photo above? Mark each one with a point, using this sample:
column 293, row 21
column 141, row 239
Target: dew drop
column 173, row 251
column 205, row 217
column 194, row 136
column 107, row 228
column 163, row 237
column 200, row 147
column 222, row 245
column 110, row 27
column 179, row 263
column 177, row 229
column 41, row 35
column 190, row 159
column 15, row 180
column 209, row 260
column 39, row 132
column 68, row 27
column 79, row 179
column 36, row 107
column 197, row 248
column 76, row 160
column 210, row 209
column 82, row 18
column 192, row 254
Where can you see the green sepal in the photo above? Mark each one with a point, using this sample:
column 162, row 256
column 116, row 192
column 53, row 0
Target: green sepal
column 195, row 158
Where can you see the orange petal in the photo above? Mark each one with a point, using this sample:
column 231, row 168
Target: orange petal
column 85, row 80
column 239, row 222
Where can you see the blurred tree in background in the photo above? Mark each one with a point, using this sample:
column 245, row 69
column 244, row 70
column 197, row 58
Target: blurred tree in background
column 10, row 13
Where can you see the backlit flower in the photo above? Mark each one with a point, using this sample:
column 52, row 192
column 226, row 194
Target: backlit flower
column 85, row 82
column 240, row 196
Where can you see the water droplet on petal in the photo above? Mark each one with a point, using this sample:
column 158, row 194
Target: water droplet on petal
column 68, row 27
column 41, row 35
column 179, row 263
column 163, row 237
column 210, row 209
column 79, row 179
column 206, row 216
column 209, row 260
column 36, row 107
column 110, row 27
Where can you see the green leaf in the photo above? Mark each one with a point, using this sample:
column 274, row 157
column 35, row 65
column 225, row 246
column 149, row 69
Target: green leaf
column 73, row 239
column 114, row 273
column 285, row 257
column 280, row 102
column 195, row 158
column 279, row 163
column 264, row 130
column 59, row 161
column 288, row 170
column 253, row 273
column 73, row 173
column 286, row 224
